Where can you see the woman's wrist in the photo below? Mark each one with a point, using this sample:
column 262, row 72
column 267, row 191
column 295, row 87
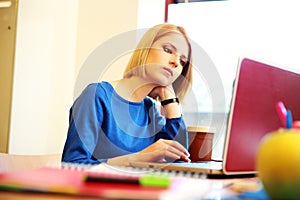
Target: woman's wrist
column 170, row 100
column 124, row 160
column 171, row 108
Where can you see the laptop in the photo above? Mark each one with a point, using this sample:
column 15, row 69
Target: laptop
column 257, row 89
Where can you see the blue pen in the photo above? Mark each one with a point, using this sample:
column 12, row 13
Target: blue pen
column 289, row 119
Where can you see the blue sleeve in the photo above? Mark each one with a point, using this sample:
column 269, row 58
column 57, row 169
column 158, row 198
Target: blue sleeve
column 174, row 129
column 170, row 129
column 84, row 124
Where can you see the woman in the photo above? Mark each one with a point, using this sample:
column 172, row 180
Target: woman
column 118, row 122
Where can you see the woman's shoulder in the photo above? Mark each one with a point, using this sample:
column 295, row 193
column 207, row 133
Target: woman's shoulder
column 101, row 84
column 98, row 88
column 105, row 85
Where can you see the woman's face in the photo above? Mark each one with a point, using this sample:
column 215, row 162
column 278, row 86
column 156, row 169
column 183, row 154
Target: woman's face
column 166, row 59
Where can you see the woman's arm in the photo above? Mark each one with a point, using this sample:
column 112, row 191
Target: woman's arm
column 174, row 128
column 170, row 110
column 83, row 129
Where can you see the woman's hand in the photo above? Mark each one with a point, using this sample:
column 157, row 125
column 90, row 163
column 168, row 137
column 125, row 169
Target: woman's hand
column 160, row 151
column 163, row 92
column 171, row 110
column 163, row 150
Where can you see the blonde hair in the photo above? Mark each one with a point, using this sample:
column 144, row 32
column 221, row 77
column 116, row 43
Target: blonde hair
column 135, row 66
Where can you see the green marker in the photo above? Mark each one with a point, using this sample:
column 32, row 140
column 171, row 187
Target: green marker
column 155, row 181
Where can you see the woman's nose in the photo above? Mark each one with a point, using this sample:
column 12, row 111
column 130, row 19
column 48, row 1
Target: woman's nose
column 174, row 60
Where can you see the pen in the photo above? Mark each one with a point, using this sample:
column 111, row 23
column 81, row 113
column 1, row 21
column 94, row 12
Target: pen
column 148, row 180
column 289, row 119
column 281, row 110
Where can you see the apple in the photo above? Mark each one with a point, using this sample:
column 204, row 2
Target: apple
column 278, row 164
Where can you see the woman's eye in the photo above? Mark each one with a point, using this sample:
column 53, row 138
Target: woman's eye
column 168, row 50
column 183, row 62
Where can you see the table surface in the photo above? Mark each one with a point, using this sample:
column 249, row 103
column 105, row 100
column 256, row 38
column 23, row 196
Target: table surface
column 189, row 188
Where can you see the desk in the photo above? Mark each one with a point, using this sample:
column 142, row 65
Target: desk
column 211, row 194
column 35, row 196
column 15, row 162
column 181, row 187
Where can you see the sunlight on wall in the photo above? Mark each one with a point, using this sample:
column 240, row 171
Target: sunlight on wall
column 264, row 30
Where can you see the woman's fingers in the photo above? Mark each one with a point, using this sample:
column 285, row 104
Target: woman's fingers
column 177, row 147
column 165, row 150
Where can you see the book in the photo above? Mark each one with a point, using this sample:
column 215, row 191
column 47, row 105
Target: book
column 115, row 182
column 72, row 181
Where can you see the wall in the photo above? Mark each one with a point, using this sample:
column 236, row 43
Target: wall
column 144, row 19
column 94, row 32
column 44, row 75
column 54, row 38
column 265, row 30
column 98, row 21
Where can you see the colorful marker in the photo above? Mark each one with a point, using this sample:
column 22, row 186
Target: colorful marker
column 282, row 112
column 289, row 119
column 147, row 180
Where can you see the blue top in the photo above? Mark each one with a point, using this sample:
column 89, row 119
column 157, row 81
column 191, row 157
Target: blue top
column 103, row 125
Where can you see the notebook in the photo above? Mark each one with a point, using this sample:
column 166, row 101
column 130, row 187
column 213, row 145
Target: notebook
column 257, row 88
column 73, row 181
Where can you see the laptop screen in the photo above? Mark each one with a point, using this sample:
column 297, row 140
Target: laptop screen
column 258, row 87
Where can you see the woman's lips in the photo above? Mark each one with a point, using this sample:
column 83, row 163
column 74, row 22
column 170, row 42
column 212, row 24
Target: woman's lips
column 169, row 70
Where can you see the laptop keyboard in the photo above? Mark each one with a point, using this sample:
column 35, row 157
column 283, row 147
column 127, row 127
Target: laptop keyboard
column 206, row 165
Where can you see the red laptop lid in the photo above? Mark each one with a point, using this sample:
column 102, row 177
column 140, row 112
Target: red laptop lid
column 258, row 87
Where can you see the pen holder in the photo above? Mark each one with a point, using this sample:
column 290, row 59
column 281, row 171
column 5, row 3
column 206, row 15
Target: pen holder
column 200, row 143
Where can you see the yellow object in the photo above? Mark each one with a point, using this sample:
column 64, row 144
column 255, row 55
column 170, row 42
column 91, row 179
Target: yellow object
column 278, row 164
